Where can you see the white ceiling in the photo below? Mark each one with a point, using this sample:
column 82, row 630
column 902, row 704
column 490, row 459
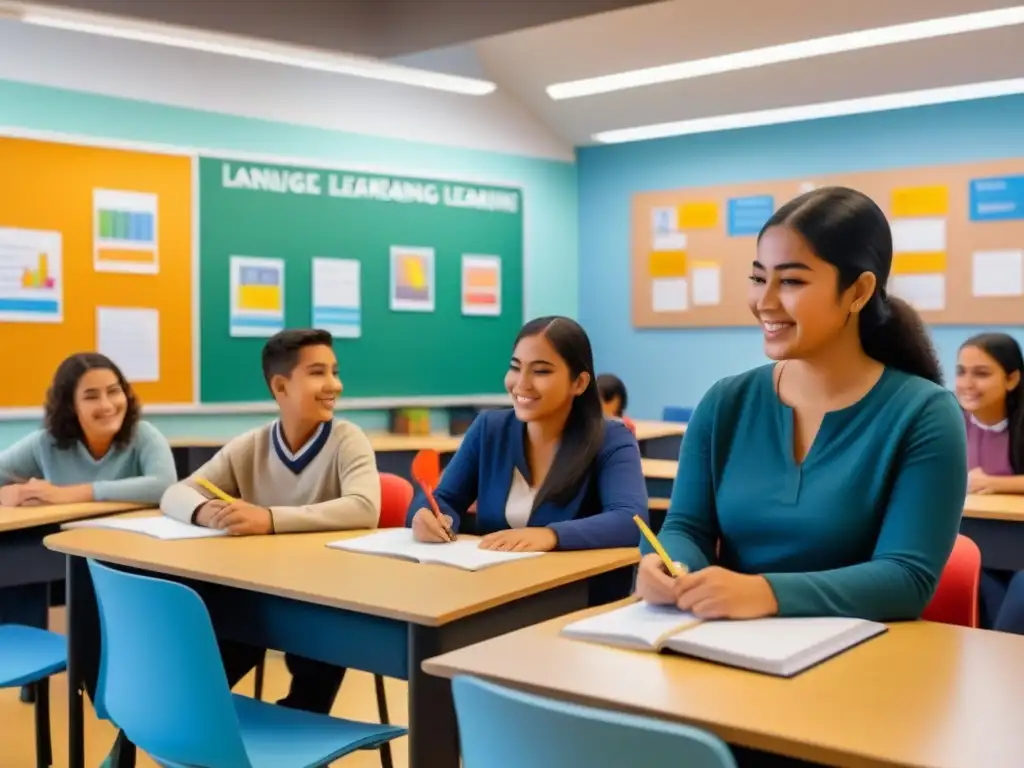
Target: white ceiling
column 524, row 63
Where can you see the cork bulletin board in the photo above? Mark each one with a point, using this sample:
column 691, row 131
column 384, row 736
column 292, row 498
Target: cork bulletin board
column 958, row 237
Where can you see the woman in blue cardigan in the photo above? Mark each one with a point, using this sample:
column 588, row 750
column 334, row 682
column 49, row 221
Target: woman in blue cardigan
column 551, row 472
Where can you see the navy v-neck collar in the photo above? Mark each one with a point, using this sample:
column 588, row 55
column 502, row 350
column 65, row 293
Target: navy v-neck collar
column 299, row 460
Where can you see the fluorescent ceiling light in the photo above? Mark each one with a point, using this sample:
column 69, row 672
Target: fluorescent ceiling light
column 881, row 103
column 230, row 45
column 805, row 49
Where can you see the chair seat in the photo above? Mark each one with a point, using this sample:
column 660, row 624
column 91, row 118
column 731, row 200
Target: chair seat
column 281, row 737
column 28, row 655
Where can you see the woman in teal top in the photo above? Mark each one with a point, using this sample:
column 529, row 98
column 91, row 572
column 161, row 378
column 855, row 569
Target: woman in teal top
column 832, row 481
column 93, row 448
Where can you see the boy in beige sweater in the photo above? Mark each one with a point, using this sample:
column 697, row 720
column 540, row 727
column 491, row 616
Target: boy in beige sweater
column 303, row 472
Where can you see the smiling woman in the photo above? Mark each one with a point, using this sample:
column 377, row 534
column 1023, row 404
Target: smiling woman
column 93, row 448
column 830, row 482
column 551, row 472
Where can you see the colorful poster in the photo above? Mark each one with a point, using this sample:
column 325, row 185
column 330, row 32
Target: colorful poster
column 481, row 285
column 997, row 199
column 412, row 279
column 125, row 232
column 257, row 296
column 31, row 276
column 336, row 297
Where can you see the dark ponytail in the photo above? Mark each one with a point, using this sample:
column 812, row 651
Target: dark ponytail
column 1005, row 350
column 847, row 229
column 584, row 429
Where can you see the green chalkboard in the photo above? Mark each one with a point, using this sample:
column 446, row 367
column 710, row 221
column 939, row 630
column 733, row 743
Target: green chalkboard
column 293, row 215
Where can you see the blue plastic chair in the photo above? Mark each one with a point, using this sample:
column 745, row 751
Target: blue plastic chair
column 28, row 656
column 502, row 728
column 676, row 413
column 163, row 684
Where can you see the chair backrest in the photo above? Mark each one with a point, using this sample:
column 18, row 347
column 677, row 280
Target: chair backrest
column 956, row 597
column 163, row 681
column 502, row 728
column 630, row 424
column 676, row 413
column 395, row 497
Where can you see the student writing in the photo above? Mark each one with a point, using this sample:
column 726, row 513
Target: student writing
column 302, row 472
column 93, row 447
column 833, row 479
column 551, row 472
column 989, row 367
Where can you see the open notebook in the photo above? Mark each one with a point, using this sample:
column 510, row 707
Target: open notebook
column 463, row 553
column 775, row 646
column 157, row 526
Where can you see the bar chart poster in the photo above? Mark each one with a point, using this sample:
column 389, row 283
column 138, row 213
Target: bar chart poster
column 31, row 276
column 125, row 232
column 257, row 296
column 481, row 285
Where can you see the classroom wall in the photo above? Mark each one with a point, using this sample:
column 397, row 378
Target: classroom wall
column 663, row 367
column 56, row 81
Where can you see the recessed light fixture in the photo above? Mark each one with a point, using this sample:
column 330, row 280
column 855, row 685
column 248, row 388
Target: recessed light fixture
column 804, row 49
column 883, row 103
column 230, row 45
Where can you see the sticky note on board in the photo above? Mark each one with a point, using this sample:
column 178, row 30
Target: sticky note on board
column 698, row 215
column 918, row 263
column 667, row 264
column 920, row 201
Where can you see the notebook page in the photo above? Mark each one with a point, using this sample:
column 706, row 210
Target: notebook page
column 639, row 624
column 773, row 640
column 399, row 542
column 159, row 527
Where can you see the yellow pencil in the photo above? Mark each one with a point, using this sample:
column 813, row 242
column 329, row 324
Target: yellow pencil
column 214, row 490
column 653, row 540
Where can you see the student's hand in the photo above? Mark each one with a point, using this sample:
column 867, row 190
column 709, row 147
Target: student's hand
column 12, row 495
column 206, row 512
column 654, row 584
column 37, row 492
column 428, row 529
column 241, row 518
column 979, row 482
column 521, row 540
column 717, row 593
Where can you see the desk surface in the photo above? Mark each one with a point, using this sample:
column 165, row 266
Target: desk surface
column 1006, row 507
column 660, row 469
column 301, row 567
column 923, row 695
column 651, row 430
column 17, row 518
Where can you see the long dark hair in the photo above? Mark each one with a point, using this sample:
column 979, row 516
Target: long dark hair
column 1005, row 350
column 847, row 229
column 584, row 429
column 60, row 418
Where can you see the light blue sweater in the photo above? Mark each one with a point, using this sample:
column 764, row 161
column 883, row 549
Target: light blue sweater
column 139, row 472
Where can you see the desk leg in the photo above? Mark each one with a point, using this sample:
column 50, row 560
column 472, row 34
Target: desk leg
column 433, row 730
column 77, row 583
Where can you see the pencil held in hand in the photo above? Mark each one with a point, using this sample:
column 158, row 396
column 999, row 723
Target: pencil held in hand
column 202, row 481
column 671, row 567
column 426, row 470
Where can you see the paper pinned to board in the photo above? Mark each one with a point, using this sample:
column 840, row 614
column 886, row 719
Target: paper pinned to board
column 997, row 273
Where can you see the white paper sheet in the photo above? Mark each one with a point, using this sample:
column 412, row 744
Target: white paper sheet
column 918, row 235
column 707, row 285
column 157, row 526
column 922, row 292
column 670, row 294
column 131, row 338
column 998, row 273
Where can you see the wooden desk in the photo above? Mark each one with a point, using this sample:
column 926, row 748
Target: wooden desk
column 921, row 696
column 660, row 439
column 995, row 522
column 659, row 474
column 378, row 614
column 23, row 558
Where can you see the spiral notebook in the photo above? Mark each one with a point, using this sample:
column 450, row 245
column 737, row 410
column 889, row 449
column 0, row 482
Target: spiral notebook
column 774, row 646
column 463, row 553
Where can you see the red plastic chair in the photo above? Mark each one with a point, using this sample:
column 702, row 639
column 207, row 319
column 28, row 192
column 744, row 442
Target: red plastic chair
column 395, row 497
column 956, row 597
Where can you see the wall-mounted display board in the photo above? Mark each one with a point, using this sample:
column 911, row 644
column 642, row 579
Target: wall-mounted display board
column 958, row 237
column 179, row 265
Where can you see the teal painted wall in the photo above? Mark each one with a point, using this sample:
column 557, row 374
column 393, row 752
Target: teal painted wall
column 549, row 194
column 676, row 367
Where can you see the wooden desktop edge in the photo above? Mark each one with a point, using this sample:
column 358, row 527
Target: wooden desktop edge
column 601, row 561
column 22, row 518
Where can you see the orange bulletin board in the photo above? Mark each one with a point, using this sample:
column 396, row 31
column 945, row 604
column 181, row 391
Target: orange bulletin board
column 958, row 236
column 95, row 255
